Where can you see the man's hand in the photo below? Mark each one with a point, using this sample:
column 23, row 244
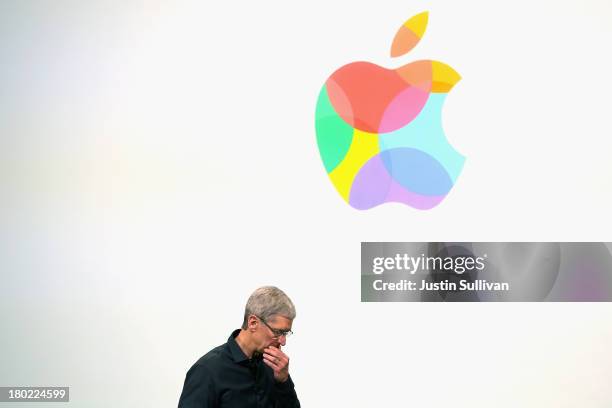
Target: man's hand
column 278, row 361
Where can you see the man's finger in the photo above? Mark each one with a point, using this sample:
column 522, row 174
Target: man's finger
column 280, row 361
column 275, row 352
column 273, row 359
column 271, row 364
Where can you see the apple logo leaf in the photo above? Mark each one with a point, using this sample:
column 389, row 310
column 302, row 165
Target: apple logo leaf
column 409, row 34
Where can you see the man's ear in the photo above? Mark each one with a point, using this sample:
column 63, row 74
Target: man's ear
column 252, row 323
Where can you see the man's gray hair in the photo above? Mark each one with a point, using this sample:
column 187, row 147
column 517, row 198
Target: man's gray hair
column 266, row 302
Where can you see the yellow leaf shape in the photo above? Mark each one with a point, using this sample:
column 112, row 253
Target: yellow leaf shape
column 443, row 77
column 365, row 145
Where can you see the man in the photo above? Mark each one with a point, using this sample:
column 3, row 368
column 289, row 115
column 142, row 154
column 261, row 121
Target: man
column 250, row 370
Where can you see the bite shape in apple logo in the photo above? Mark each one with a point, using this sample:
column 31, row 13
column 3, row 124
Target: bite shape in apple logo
column 379, row 130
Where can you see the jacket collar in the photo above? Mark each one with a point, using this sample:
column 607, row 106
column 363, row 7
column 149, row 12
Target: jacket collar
column 235, row 351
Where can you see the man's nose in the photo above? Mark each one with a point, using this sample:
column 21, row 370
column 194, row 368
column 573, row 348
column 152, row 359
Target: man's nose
column 282, row 340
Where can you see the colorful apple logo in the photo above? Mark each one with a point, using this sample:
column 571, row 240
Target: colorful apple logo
column 379, row 130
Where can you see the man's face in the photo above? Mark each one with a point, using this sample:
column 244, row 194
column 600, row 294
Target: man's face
column 265, row 335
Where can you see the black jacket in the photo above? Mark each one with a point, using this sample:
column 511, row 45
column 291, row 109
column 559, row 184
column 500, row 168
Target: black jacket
column 225, row 378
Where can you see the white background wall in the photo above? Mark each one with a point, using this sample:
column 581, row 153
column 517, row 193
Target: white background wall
column 158, row 162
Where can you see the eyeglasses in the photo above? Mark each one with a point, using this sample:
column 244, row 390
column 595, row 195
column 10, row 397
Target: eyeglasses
column 277, row 332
